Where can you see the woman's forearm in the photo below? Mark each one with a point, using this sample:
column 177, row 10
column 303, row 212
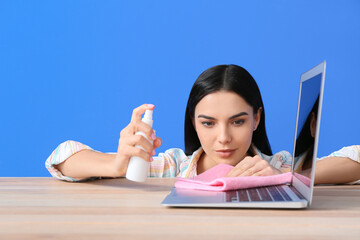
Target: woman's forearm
column 88, row 163
column 336, row 170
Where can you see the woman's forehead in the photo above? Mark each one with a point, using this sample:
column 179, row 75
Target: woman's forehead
column 222, row 103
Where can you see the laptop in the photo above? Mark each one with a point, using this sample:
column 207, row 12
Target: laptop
column 296, row 194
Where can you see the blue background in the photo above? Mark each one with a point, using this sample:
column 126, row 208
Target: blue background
column 76, row 69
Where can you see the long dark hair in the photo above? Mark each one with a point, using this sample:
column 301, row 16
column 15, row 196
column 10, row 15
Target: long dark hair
column 305, row 141
column 229, row 78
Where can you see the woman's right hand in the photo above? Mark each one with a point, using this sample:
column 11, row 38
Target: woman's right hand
column 128, row 140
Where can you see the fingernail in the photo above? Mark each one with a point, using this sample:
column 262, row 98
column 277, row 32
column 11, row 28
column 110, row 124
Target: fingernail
column 153, row 136
column 153, row 152
column 151, row 105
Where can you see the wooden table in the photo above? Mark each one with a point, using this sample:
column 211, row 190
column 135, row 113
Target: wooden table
column 45, row 208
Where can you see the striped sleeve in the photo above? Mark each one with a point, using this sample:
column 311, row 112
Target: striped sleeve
column 352, row 152
column 167, row 164
column 59, row 155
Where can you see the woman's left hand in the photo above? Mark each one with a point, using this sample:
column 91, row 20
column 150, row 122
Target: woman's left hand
column 253, row 166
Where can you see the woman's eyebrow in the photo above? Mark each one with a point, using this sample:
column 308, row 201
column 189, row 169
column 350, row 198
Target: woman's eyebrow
column 235, row 116
column 239, row 115
column 207, row 117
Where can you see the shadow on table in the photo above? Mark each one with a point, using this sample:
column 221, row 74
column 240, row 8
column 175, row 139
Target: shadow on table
column 164, row 184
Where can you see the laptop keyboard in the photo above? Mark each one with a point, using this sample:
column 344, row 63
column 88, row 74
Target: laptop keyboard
column 270, row 193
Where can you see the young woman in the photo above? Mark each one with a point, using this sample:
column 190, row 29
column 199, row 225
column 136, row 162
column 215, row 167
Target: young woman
column 224, row 123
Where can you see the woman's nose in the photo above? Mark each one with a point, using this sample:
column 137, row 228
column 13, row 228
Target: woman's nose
column 224, row 135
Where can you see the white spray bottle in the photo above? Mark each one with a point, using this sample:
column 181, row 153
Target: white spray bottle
column 138, row 168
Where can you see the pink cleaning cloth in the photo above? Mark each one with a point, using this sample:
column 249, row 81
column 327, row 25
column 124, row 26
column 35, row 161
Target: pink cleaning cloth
column 214, row 180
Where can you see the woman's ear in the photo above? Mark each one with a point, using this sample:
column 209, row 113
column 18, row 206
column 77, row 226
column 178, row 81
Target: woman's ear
column 257, row 118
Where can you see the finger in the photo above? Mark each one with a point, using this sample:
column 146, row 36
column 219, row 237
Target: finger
column 130, row 151
column 235, row 172
column 261, row 173
column 157, row 142
column 260, row 166
column 244, row 165
column 268, row 171
column 146, row 129
column 139, row 140
column 265, row 172
column 241, row 167
column 139, row 111
column 128, row 130
column 141, row 153
column 252, row 171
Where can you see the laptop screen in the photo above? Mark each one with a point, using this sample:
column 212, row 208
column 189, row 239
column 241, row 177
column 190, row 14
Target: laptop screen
column 306, row 134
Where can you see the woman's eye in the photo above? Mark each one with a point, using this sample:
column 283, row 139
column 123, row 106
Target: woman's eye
column 238, row 122
column 207, row 124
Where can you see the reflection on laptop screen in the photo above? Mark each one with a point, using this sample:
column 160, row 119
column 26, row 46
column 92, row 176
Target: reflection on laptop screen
column 306, row 128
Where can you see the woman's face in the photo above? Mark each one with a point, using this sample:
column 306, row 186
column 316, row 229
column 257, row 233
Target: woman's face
column 224, row 123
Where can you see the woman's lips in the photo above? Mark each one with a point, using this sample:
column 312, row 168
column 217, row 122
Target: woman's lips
column 225, row 153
